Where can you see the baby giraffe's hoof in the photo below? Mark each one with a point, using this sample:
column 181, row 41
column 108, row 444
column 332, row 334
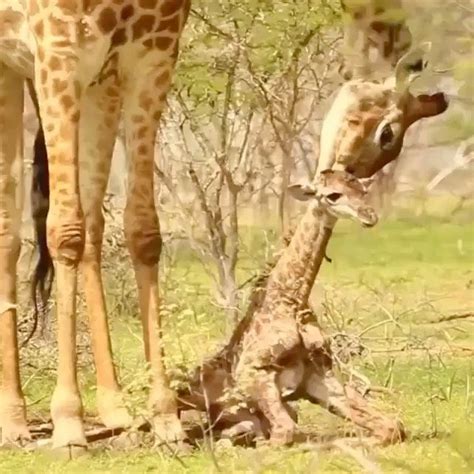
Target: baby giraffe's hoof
column 391, row 432
column 282, row 436
column 243, row 433
column 129, row 440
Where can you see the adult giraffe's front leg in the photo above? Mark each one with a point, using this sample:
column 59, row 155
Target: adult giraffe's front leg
column 146, row 93
column 59, row 95
column 100, row 113
column 13, row 426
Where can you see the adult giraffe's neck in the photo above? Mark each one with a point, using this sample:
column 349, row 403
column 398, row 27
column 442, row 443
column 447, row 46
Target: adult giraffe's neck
column 293, row 276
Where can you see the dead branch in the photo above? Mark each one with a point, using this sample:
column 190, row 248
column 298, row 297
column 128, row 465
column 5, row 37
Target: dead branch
column 367, row 464
column 453, row 317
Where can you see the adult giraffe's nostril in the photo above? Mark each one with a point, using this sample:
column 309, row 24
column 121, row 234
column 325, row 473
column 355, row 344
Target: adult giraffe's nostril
column 367, row 216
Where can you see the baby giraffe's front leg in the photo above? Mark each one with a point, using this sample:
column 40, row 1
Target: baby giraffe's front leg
column 266, row 394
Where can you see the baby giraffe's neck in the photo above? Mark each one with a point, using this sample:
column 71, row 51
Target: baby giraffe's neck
column 293, row 276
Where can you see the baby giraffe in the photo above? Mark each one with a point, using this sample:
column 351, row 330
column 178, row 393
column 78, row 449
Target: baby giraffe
column 275, row 355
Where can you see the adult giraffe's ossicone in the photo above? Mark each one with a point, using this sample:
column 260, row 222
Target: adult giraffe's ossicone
column 89, row 61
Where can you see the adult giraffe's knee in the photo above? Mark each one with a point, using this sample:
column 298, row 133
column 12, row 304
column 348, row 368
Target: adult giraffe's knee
column 94, row 231
column 66, row 236
column 143, row 236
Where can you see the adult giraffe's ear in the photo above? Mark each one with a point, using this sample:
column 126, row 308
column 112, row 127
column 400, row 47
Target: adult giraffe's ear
column 411, row 65
column 367, row 182
column 302, row 191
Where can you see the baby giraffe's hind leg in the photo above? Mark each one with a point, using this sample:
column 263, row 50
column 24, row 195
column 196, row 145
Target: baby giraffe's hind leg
column 98, row 129
column 323, row 388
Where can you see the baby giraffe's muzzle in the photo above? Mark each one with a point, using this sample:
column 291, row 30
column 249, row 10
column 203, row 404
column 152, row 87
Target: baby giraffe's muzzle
column 367, row 216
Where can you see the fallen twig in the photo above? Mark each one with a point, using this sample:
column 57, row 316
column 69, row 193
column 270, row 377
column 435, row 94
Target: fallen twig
column 452, row 317
column 367, row 464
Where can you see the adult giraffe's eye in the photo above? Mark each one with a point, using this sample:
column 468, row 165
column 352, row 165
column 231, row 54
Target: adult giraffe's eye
column 386, row 137
column 333, row 197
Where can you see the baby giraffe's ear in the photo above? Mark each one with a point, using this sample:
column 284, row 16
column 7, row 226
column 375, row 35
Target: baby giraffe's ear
column 302, row 191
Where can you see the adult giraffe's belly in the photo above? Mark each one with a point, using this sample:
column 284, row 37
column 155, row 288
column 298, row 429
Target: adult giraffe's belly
column 17, row 45
column 16, row 41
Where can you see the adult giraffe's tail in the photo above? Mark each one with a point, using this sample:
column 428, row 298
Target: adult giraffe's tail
column 43, row 274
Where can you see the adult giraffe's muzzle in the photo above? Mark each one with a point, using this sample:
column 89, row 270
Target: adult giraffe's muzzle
column 367, row 216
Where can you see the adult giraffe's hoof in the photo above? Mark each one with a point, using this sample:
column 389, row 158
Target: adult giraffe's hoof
column 69, row 436
column 14, row 434
column 111, row 408
column 13, row 427
column 169, row 435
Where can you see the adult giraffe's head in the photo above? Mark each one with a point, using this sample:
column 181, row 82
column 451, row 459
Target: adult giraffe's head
column 366, row 125
column 376, row 36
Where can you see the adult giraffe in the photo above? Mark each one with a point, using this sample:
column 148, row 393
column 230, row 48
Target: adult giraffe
column 88, row 60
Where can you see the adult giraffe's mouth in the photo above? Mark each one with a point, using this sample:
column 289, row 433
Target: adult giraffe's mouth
column 367, row 217
column 438, row 101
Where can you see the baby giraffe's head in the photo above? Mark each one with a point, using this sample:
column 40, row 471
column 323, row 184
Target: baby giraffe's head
column 338, row 194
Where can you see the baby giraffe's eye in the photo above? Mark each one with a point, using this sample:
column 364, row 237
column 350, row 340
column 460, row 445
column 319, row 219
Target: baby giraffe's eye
column 333, row 197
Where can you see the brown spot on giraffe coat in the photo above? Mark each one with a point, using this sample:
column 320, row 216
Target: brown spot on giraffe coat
column 172, row 25
column 127, row 12
column 163, row 42
column 171, row 6
column 59, row 85
column 119, row 37
column 67, row 102
column 145, row 24
column 147, row 4
column 107, row 20
column 38, row 28
column 54, row 63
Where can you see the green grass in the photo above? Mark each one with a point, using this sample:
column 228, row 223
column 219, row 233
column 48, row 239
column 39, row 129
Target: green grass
column 386, row 284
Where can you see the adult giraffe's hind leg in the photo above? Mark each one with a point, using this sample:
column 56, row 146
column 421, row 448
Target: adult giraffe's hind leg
column 100, row 113
column 143, row 104
column 13, row 427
